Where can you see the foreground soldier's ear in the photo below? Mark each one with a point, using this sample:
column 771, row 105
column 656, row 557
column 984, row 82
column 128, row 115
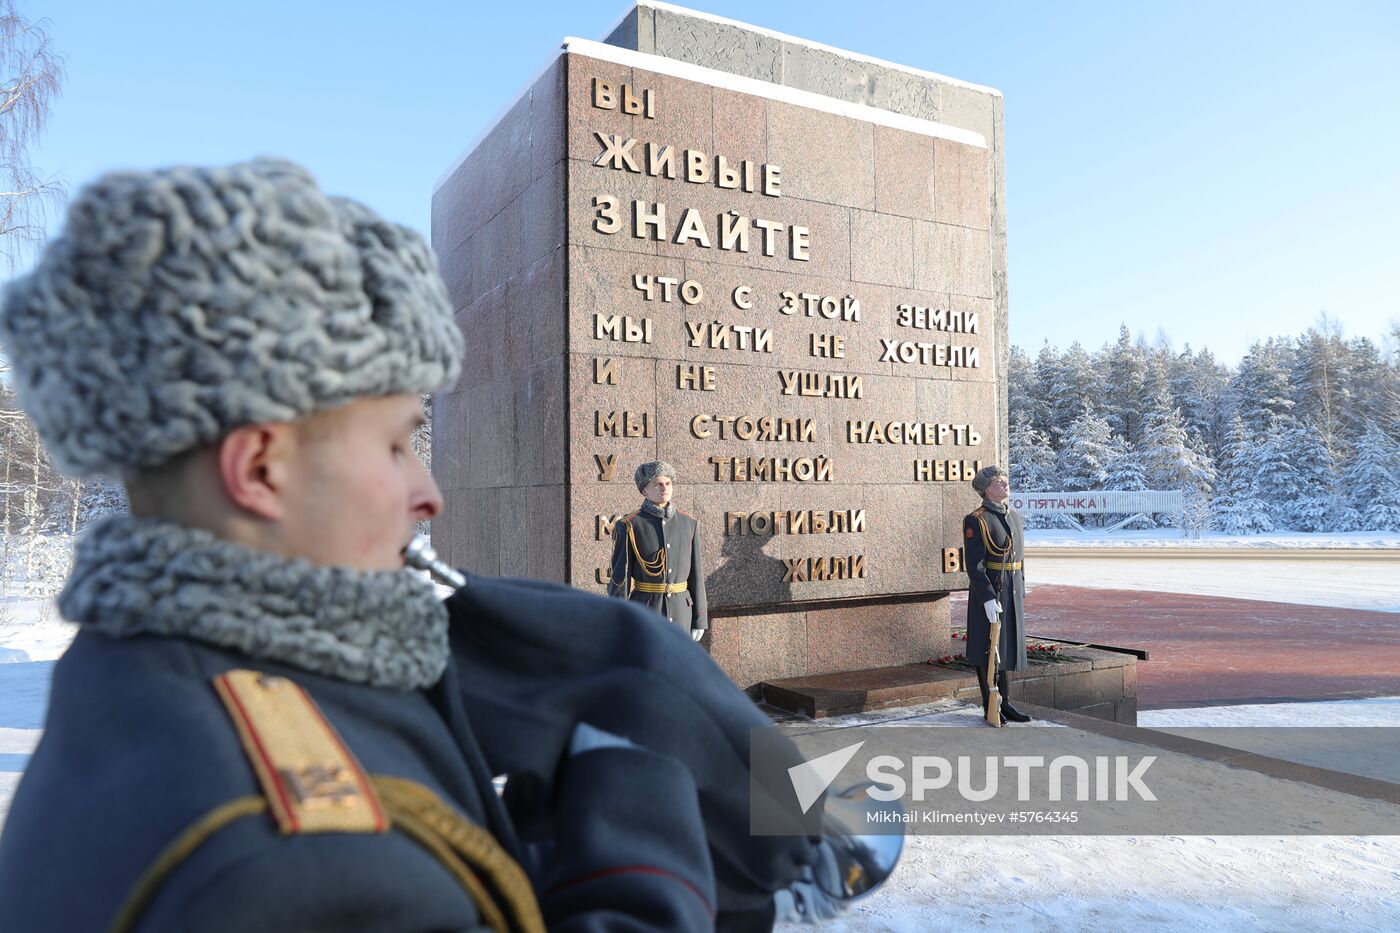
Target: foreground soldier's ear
column 253, row 467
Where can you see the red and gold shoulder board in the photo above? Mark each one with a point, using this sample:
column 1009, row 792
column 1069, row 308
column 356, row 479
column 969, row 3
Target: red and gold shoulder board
column 312, row 782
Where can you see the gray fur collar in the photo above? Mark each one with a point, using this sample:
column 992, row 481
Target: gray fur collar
column 656, row 511
column 140, row 576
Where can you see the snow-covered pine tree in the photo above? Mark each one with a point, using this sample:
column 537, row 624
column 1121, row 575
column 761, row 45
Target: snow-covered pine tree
column 1075, row 387
column 1199, row 387
column 1125, row 472
column 1023, row 394
column 1126, row 373
column 1172, row 462
column 1047, row 376
column 1033, row 466
column 1322, row 385
column 1318, row 506
column 1260, row 392
column 1157, row 379
column 1277, row 483
column 1372, row 481
column 1237, row 508
column 1085, row 452
column 1374, row 391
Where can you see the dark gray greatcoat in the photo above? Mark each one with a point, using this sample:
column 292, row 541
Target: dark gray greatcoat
column 999, row 524
column 137, row 747
column 651, row 533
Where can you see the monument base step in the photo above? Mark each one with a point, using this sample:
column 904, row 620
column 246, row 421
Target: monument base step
column 1102, row 684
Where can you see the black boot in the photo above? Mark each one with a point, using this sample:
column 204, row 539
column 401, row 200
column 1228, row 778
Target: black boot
column 982, row 685
column 1008, row 712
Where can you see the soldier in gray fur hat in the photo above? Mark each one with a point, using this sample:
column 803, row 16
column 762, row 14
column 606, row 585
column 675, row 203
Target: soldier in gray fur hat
column 656, row 554
column 260, row 723
column 994, row 541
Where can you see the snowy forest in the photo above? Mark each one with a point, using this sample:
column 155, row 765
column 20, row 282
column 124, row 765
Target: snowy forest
column 1303, row 435
column 40, row 510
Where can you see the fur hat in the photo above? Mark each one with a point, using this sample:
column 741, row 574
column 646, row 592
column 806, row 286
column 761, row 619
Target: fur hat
column 651, row 470
column 984, row 478
column 183, row 303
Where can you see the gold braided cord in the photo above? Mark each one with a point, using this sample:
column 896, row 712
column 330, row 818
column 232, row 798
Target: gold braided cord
column 497, row 884
column 494, row 881
column 991, row 547
column 408, row 824
column 179, row 850
column 656, row 567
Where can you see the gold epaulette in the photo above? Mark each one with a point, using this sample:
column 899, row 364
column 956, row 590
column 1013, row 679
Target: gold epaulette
column 312, row 782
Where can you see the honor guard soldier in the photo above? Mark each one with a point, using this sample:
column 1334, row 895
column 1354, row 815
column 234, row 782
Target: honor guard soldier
column 993, row 540
column 656, row 554
column 262, row 723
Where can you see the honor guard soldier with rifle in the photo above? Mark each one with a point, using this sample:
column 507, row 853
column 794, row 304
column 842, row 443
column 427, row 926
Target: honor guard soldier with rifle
column 993, row 539
column 263, row 721
column 656, row 554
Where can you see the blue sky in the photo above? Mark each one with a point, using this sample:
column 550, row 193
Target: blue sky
column 1221, row 172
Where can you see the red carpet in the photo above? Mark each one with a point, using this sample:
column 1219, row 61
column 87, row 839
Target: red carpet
column 1205, row 649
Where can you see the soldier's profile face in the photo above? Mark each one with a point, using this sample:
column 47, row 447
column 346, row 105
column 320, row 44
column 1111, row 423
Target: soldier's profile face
column 658, row 491
column 355, row 488
column 999, row 489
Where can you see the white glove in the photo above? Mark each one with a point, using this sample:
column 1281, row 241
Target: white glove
column 992, row 608
column 697, row 633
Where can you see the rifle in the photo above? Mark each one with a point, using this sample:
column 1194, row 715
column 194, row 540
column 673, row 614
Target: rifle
column 993, row 655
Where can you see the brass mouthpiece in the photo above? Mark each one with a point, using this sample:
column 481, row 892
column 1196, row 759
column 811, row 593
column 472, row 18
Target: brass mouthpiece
column 420, row 555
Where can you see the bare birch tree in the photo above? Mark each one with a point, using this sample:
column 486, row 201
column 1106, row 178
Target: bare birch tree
column 30, row 77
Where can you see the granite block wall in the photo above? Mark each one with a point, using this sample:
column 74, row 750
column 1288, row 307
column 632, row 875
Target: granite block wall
column 800, row 305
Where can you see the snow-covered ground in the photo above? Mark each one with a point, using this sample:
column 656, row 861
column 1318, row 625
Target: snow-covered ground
column 1205, row 883
column 1172, row 538
column 1372, row 711
column 1052, row 883
column 32, row 630
column 1117, row 883
column 1363, row 583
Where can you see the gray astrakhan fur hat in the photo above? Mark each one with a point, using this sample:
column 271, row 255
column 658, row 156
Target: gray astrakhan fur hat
column 984, row 478
column 651, row 470
column 180, row 304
